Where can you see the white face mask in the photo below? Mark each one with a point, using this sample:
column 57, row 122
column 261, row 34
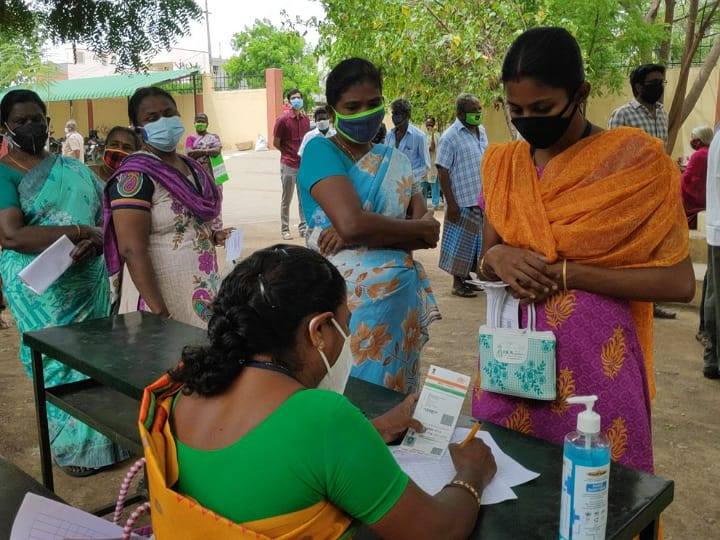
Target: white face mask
column 338, row 374
column 323, row 125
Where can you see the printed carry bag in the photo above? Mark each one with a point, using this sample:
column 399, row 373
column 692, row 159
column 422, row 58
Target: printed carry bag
column 219, row 169
column 516, row 361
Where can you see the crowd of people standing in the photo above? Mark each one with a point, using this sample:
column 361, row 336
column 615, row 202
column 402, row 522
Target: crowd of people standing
column 589, row 225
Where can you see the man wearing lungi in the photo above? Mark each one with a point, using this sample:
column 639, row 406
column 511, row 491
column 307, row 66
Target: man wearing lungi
column 459, row 154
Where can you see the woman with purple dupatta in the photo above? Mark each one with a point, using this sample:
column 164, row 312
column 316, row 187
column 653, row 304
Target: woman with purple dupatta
column 159, row 209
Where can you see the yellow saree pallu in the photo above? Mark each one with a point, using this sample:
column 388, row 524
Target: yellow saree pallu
column 611, row 199
column 179, row 517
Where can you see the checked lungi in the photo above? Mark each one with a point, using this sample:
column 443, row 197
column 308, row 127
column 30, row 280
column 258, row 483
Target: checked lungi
column 461, row 242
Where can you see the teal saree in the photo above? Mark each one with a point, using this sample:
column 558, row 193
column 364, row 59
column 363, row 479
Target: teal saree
column 60, row 191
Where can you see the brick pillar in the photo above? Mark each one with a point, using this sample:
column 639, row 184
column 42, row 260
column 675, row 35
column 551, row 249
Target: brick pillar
column 274, row 96
column 91, row 116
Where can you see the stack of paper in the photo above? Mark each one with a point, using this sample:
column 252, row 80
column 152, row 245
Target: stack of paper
column 48, row 266
column 40, row 518
column 432, row 474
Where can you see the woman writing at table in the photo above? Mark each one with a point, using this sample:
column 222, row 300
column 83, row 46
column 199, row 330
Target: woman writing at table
column 263, row 435
column 587, row 225
column 44, row 197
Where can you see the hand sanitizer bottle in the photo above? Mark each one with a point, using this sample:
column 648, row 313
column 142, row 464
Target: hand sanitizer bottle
column 585, row 477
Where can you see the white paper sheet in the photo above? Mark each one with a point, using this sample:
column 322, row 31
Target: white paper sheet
column 437, row 409
column 234, row 247
column 40, row 518
column 48, row 266
column 502, row 310
column 431, row 475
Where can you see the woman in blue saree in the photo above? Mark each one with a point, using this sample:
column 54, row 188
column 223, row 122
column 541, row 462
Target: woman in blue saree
column 44, row 197
column 366, row 213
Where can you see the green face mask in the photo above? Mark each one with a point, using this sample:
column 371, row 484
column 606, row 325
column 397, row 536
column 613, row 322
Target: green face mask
column 473, row 118
column 200, row 126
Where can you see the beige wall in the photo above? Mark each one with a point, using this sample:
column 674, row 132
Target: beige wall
column 237, row 116
column 599, row 110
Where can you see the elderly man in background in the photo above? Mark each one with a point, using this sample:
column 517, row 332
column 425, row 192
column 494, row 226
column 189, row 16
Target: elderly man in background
column 459, row 155
column 74, row 143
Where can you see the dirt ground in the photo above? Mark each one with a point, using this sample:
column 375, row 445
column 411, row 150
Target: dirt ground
column 686, row 422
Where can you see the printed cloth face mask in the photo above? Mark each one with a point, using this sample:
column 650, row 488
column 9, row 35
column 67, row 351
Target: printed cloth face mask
column 29, row 137
column 544, row 131
column 361, row 127
column 338, row 374
column 113, row 157
column 164, row 133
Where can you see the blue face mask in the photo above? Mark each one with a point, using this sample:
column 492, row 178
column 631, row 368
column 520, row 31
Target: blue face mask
column 296, row 103
column 164, row 133
column 362, row 127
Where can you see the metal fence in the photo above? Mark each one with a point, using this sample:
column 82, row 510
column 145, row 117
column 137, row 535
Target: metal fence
column 191, row 84
column 224, row 81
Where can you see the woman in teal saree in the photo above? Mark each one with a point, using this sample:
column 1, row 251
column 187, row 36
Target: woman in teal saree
column 43, row 197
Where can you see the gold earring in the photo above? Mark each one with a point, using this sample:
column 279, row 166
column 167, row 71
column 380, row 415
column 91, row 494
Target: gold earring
column 321, row 345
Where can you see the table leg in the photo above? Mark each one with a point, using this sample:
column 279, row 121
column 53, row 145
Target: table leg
column 651, row 531
column 42, row 422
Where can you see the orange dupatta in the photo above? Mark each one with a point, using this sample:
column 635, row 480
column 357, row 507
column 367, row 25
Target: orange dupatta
column 179, row 517
column 611, row 199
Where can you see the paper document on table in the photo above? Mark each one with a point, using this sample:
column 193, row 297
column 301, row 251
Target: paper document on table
column 234, row 247
column 48, row 266
column 40, row 518
column 431, row 475
column 437, row 409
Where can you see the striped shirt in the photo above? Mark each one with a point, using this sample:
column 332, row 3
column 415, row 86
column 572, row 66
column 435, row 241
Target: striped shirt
column 460, row 151
column 634, row 114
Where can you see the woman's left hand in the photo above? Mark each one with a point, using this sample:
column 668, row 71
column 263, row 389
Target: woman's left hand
column 330, row 242
column 397, row 420
column 220, row 236
column 84, row 249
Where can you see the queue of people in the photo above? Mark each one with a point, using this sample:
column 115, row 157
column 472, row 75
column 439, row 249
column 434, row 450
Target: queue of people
column 554, row 216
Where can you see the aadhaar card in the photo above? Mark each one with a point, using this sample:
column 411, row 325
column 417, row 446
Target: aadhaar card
column 437, row 409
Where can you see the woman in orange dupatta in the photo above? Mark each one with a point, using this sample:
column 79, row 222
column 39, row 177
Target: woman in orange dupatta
column 587, row 224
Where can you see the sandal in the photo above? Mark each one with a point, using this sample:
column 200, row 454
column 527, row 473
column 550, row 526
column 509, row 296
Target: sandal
column 80, row 472
column 464, row 292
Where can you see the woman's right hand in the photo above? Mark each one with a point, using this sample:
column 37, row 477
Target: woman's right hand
column 474, row 463
column 525, row 272
column 431, row 229
column 94, row 235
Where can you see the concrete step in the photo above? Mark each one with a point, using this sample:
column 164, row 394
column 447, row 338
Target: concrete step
column 700, row 269
column 698, row 246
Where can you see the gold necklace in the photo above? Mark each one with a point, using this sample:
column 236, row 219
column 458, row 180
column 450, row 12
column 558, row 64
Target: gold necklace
column 345, row 148
column 23, row 167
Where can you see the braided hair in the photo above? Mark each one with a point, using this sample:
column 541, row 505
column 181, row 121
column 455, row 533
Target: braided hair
column 258, row 311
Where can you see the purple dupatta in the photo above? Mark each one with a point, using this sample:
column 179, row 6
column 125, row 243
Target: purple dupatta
column 206, row 205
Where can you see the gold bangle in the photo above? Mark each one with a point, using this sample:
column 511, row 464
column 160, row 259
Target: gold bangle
column 79, row 232
column 467, row 487
column 565, row 275
column 481, row 270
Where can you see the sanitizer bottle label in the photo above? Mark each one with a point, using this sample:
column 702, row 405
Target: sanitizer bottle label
column 590, row 502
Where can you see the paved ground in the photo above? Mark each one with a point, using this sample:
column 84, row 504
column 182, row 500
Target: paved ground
column 686, row 420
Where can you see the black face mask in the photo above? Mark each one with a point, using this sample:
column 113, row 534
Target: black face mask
column 29, row 137
column 544, row 131
column 651, row 92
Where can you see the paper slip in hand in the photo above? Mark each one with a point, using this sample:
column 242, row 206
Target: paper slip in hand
column 432, row 475
column 502, row 309
column 48, row 266
column 437, row 409
column 234, row 247
column 40, row 518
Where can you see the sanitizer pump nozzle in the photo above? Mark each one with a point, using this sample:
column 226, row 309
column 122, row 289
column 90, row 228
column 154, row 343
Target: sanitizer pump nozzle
column 588, row 421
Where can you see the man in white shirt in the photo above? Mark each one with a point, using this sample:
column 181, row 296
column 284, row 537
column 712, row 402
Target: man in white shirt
column 322, row 128
column 74, row 143
column 712, row 291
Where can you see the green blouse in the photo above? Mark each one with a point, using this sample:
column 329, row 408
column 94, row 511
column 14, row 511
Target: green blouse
column 315, row 446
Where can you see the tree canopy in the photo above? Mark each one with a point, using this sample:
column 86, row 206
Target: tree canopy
column 264, row 46
column 125, row 32
column 433, row 50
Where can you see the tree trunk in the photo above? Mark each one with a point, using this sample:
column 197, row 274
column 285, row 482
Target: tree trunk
column 652, row 13
column 669, row 17
column 674, row 121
